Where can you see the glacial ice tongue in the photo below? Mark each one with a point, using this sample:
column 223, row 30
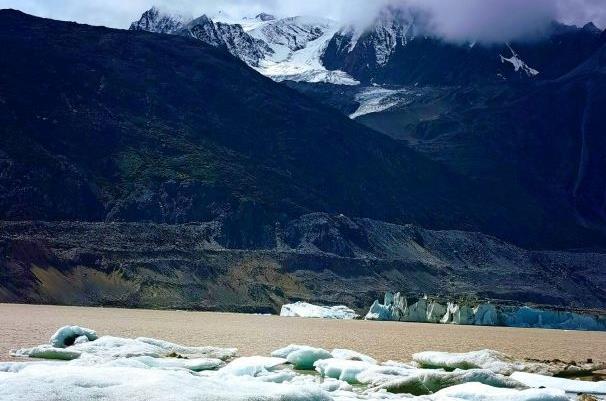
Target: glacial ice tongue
column 304, row 309
column 67, row 335
column 397, row 307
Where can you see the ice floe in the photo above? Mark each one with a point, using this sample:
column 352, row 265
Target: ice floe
column 68, row 335
column 252, row 365
column 115, row 368
column 108, row 347
column 428, row 381
column 302, row 356
column 342, row 369
column 340, row 353
column 483, row 392
column 568, row 385
column 38, row 383
column 304, row 309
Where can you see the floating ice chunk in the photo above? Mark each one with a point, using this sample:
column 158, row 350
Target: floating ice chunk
column 284, row 352
column 108, row 347
column 81, row 339
column 482, row 392
column 570, row 386
column 485, row 359
column 306, row 357
column 277, row 377
column 196, row 365
column 301, row 356
column 67, row 335
column 351, row 355
column 399, row 365
column 341, row 369
column 326, row 383
column 14, row 367
column 46, row 352
column 427, row 381
column 252, row 365
column 208, row 352
column 64, row 382
column 303, row 309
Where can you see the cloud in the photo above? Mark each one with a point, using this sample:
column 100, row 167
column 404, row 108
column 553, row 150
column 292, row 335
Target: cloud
column 488, row 20
column 456, row 20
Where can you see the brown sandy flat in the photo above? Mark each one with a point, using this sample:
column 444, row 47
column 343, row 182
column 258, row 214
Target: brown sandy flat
column 28, row 325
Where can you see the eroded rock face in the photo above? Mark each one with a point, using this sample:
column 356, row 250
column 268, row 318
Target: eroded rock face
column 320, row 258
column 397, row 307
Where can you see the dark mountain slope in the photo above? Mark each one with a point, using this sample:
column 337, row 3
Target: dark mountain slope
column 395, row 50
column 546, row 139
column 101, row 124
column 326, row 259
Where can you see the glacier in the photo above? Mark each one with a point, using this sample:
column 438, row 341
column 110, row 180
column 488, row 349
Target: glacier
column 116, row 368
column 397, row 307
column 304, row 309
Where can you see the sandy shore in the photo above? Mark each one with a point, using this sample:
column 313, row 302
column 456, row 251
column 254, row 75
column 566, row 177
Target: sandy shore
column 28, row 325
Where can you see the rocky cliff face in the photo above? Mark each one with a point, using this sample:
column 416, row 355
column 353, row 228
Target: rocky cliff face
column 318, row 258
column 230, row 37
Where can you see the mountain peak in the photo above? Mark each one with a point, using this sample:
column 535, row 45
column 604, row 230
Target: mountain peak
column 590, row 27
column 265, row 17
column 159, row 21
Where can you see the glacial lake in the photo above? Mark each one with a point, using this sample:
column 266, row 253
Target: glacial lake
column 30, row 325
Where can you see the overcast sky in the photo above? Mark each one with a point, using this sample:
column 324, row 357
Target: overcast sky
column 487, row 20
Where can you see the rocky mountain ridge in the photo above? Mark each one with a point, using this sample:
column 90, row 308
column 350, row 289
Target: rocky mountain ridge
column 394, row 49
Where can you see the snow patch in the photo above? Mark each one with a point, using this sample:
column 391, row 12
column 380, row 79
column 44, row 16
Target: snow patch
column 518, row 64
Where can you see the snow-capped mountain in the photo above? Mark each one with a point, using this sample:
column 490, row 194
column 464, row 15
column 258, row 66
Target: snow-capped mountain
column 230, row 36
column 396, row 50
column 281, row 48
column 154, row 20
column 393, row 50
column 392, row 28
